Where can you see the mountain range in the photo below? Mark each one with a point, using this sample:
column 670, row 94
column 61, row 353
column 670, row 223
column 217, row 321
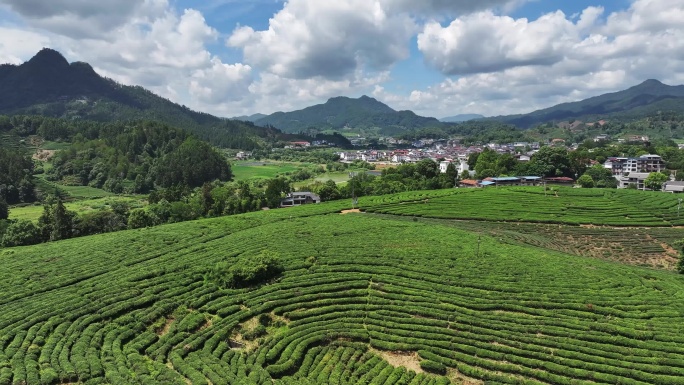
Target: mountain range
column 641, row 100
column 49, row 85
column 461, row 118
column 340, row 112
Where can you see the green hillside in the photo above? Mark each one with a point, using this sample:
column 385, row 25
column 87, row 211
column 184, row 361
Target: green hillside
column 48, row 85
column 340, row 112
column 363, row 298
column 647, row 98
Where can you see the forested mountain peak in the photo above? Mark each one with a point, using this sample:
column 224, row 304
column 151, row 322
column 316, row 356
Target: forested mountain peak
column 48, row 85
column 48, row 57
column 640, row 100
column 656, row 87
column 364, row 102
column 341, row 111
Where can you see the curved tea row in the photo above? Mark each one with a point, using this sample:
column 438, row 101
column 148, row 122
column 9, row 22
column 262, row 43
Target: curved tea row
column 137, row 307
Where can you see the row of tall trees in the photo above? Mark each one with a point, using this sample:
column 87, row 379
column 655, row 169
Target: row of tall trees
column 547, row 162
column 16, row 181
column 137, row 157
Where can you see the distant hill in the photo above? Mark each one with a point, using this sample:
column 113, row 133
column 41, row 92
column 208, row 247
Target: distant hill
column 646, row 98
column 461, row 118
column 48, row 85
column 250, row 118
column 341, row 112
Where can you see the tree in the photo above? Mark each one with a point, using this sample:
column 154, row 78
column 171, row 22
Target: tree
column 140, row 218
column 63, row 222
column 246, row 271
column 329, row 191
column 193, row 163
column 680, row 263
column 206, row 199
column 586, row 181
column 655, row 181
column 275, row 189
column 21, row 233
column 472, row 160
column 427, row 168
column 4, row 209
column 486, row 173
column 505, row 164
column 551, row 161
column 486, row 161
column 452, row 173
column 465, row 174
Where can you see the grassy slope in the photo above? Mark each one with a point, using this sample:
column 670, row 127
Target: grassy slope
column 487, row 309
column 563, row 206
column 262, row 170
column 32, row 213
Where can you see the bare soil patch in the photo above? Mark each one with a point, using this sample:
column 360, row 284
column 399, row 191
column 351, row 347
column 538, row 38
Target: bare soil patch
column 350, row 211
column 43, row 155
column 409, row 360
column 457, row 378
column 167, row 326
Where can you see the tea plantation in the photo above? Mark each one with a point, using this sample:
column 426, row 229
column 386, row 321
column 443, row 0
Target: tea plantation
column 363, row 298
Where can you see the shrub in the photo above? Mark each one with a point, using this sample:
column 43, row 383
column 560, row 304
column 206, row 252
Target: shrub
column 246, row 271
column 21, row 233
column 433, row 367
column 255, row 333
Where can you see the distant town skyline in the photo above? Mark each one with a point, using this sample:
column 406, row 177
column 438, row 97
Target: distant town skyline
column 436, row 57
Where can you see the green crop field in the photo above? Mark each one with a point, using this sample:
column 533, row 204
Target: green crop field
column 33, row 212
column 395, row 295
column 565, row 205
column 262, row 170
column 74, row 192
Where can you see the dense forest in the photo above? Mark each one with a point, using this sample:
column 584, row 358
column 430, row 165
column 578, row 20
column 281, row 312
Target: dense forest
column 16, row 176
column 475, row 131
column 49, row 85
column 340, row 112
column 118, row 157
column 144, row 153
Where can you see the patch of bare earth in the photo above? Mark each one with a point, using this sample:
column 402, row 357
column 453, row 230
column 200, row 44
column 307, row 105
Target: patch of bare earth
column 237, row 340
column 43, row 155
column 206, row 325
column 457, row 378
column 409, row 360
column 167, row 326
column 350, row 211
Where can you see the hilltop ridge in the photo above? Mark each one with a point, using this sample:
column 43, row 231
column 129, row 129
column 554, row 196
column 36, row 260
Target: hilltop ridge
column 340, row 112
column 49, row 85
column 640, row 100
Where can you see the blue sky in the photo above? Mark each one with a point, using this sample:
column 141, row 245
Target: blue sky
column 436, row 57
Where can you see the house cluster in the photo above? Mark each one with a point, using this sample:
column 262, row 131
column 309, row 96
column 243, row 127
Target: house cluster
column 634, row 171
column 452, row 151
column 305, row 144
column 242, row 155
column 516, row 181
column 299, row 199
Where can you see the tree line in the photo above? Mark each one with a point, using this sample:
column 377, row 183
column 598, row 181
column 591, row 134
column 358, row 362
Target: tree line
column 16, row 176
column 135, row 157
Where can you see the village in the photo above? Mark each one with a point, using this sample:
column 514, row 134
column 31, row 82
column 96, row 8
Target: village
column 628, row 171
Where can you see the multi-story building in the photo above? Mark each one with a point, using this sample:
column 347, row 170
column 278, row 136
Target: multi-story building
column 616, row 165
column 645, row 163
column 637, row 179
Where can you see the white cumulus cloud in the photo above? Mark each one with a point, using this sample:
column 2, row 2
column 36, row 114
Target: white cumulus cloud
column 332, row 39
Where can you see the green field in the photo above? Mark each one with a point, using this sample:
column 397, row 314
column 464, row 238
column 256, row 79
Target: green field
column 74, row 192
column 48, row 145
column 395, row 295
column 33, row 212
column 565, row 205
column 262, row 170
